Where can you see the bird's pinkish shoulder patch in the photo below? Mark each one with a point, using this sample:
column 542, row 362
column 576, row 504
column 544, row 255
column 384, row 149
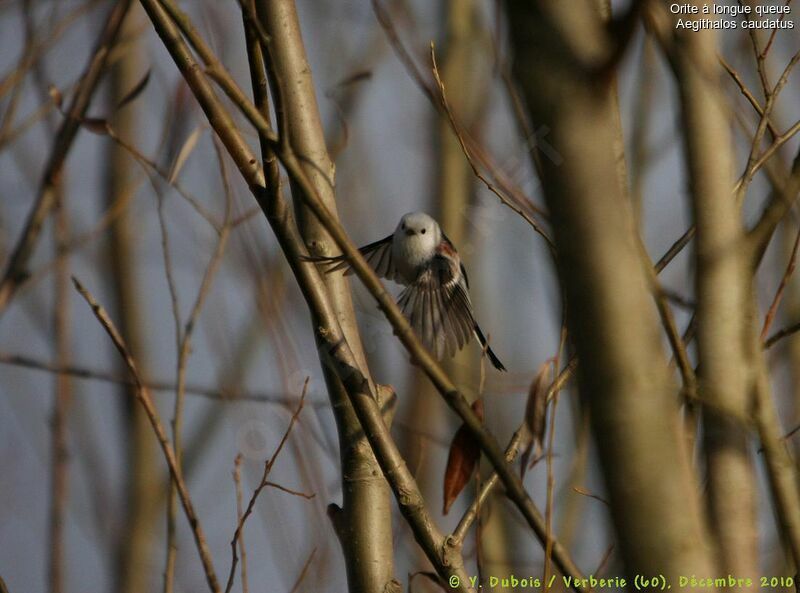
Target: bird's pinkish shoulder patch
column 446, row 248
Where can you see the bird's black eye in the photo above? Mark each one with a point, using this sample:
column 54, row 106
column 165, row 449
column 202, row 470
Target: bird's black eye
column 403, row 226
column 423, row 231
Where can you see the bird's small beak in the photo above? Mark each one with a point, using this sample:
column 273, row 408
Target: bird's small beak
column 410, row 232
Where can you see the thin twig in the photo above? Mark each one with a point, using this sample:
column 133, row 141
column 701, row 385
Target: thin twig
column 550, row 451
column 459, row 133
column 62, row 405
column 518, row 441
column 33, row 55
column 677, row 344
column 287, row 490
column 779, row 464
column 773, row 308
column 9, row 135
column 16, row 267
column 604, row 560
column 303, row 572
column 217, row 71
column 146, row 400
column 262, row 484
column 747, row 93
column 167, row 176
column 520, row 437
column 768, row 46
column 172, row 502
column 513, row 195
column 237, row 480
column 184, row 339
column 779, row 141
column 755, row 162
column 760, row 58
column 588, row 494
column 337, row 355
column 80, row 372
column 781, row 334
column 782, row 198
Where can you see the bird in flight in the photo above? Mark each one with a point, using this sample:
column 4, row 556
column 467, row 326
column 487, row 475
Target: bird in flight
column 419, row 256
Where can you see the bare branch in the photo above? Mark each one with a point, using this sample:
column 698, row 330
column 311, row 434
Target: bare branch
column 722, row 283
column 459, row 133
column 606, row 288
column 15, row 271
column 237, row 479
column 146, row 400
column 776, row 300
column 336, row 350
column 81, row 372
column 747, row 93
column 502, row 185
column 239, row 532
column 303, row 572
column 754, row 162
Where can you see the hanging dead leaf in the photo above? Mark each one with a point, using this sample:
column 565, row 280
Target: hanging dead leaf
column 183, row 154
column 584, row 492
column 462, row 460
column 95, row 125
column 56, row 96
column 349, row 80
column 536, row 408
column 135, row 91
column 536, row 413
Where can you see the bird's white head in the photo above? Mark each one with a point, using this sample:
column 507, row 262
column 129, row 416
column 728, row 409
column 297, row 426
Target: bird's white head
column 418, row 232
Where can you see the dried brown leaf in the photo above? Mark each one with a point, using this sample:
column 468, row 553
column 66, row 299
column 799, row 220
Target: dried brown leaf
column 462, row 460
column 183, row 154
column 56, row 96
column 354, row 78
column 135, row 91
column 536, row 408
column 95, row 125
column 584, row 492
column 536, row 415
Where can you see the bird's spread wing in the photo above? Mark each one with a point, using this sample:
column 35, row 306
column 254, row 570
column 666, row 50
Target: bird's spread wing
column 377, row 254
column 437, row 306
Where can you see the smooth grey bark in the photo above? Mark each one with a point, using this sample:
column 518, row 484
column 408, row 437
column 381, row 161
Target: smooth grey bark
column 725, row 325
column 143, row 481
column 558, row 48
column 364, row 522
column 465, row 70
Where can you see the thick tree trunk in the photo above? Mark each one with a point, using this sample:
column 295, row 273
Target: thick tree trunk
column 364, row 522
column 143, row 486
column 612, row 320
column 725, row 327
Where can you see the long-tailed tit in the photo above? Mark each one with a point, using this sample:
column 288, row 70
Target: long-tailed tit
column 436, row 302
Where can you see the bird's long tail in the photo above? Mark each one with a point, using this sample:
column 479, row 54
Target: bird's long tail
column 489, row 352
